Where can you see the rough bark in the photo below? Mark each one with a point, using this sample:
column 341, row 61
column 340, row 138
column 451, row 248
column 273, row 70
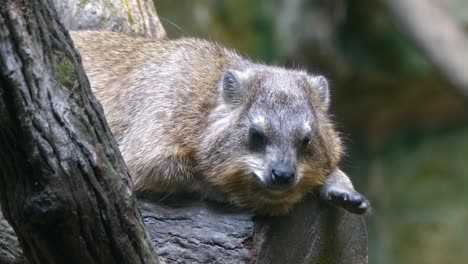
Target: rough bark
column 64, row 187
column 185, row 230
column 10, row 251
column 128, row 16
column 438, row 34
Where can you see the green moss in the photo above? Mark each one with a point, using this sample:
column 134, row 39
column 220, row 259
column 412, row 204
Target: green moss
column 114, row 17
column 129, row 13
column 65, row 71
column 82, row 3
column 115, row 176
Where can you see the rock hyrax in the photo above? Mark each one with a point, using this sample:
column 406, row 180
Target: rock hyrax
column 193, row 116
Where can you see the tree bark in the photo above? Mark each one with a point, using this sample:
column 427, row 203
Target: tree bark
column 186, row 230
column 128, row 16
column 438, row 34
column 10, row 251
column 64, row 187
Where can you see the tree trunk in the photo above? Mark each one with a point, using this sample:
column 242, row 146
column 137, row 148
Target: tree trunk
column 10, row 251
column 185, row 230
column 128, row 16
column 64, row 187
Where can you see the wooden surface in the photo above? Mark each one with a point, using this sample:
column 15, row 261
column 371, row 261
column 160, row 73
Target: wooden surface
column 185, row 230
column 188, row 231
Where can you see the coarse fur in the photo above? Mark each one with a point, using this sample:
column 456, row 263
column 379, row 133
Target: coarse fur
column 183, row 112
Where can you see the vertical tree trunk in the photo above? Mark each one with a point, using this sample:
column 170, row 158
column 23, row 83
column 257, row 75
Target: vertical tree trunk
column 128, row 16
column 64, row 187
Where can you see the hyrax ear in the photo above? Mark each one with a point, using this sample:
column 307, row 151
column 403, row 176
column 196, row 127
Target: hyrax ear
column 234, row 86
column 321, row 89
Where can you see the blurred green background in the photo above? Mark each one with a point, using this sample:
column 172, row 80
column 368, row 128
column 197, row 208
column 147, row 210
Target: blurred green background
column 405, row 128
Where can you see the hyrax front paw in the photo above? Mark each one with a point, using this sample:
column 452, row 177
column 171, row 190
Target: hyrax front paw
column 339, row 191
column 349, row 199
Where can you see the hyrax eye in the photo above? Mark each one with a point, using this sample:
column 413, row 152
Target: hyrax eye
column 257, row 139
column 306, row 140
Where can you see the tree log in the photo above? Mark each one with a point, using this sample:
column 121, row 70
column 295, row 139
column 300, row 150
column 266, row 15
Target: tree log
column 186, row 230
column 440, row 37
column 64, row 187
column 128, row 16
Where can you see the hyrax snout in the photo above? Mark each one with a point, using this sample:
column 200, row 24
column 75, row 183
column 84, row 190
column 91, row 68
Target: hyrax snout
column 192, row 116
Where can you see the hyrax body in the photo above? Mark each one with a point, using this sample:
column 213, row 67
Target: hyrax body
column 192, row 116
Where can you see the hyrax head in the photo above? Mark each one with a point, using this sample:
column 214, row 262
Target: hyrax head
column 270, row 140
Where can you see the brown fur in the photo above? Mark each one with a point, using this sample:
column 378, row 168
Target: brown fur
column 177, row 134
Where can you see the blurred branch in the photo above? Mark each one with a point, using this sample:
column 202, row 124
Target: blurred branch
column 439, row 36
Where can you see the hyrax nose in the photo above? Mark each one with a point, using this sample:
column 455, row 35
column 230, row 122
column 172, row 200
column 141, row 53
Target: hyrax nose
column 282, row 176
